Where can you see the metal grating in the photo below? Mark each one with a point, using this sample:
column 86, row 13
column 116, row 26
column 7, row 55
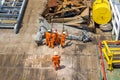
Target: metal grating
column 11, row 12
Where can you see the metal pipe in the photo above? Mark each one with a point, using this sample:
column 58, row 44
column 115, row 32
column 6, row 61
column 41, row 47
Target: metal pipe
column 11, row 7
column 3, row 11
column 114, row 49
column 118, row 15
column 8, row 15
column 12, row 2
column 107, row 48
column 2, row 2
column 106, row 55
column 116, row 18
column 7, row 25
column 20, row 16
column 116, row 61
column 73, row 37
column 102, row 61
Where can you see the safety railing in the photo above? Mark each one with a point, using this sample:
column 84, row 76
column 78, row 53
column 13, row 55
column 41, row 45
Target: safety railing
column 111, row 51
column 115, row 6
column 104, row 77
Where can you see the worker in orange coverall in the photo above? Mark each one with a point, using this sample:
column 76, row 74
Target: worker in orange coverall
column 52, row 40
column 48, row 35
column 63, row 38
column 57, row 41
column 56, row 60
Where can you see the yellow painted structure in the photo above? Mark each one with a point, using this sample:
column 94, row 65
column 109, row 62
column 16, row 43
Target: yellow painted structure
column 110, row 52
column 101, row 12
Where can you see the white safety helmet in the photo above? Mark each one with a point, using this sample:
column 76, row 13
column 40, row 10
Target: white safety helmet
column 64, row 32
column 55, row 53
column 49, row 30
column 54, row 31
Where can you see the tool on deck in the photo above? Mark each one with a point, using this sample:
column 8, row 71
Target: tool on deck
column 85, row 37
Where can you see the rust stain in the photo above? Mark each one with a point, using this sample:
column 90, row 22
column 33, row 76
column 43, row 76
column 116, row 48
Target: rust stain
column 52, row 3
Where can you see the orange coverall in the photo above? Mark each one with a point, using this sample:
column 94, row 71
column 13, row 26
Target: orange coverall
column 48, row 35
column 56, row 61
column 52, row 40
column 63, row 38
column 57, row 41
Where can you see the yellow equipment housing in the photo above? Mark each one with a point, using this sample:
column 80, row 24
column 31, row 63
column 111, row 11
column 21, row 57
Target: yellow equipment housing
column 101, row 12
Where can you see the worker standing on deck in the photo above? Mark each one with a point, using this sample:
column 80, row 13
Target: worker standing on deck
column 52, row 40
column 56, row 60
column 57, row 41
column 63, row 38
column 48, row 35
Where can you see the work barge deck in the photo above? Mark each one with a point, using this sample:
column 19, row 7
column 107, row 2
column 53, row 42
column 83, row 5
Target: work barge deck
column 21, row 59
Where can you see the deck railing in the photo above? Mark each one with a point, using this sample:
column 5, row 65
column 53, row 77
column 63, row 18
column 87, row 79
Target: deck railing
column 115, row 6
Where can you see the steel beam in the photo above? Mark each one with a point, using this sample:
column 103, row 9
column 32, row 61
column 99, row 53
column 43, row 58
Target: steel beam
column 9, row 15
column 10, row 7
column 20, row 16
column 11, row 10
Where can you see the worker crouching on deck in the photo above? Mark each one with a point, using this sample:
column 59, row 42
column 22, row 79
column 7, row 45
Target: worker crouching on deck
column 48, row 35
column 63, row 38
column 56, row 60
column 52, row 40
